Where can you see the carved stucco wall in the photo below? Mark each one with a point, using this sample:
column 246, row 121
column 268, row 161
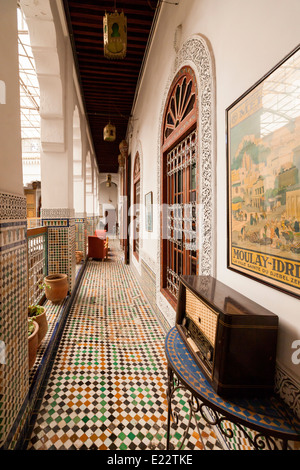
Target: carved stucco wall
column 137, row 148
column 196, row 53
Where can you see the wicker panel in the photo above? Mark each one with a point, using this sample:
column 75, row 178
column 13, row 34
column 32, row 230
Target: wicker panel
column 195, row 309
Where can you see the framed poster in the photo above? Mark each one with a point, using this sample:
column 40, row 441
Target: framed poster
column 149, row 211
column 263, row 172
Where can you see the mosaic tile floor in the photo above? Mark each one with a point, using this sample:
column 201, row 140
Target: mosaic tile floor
column 107, row 386
column 54, row 312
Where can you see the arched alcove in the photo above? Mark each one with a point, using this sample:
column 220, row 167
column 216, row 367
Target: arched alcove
column 108, row 200
column 136, row 204
column 196, row 53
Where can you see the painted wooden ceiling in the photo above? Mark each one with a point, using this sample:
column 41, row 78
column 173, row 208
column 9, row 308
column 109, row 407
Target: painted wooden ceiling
column 108, row 86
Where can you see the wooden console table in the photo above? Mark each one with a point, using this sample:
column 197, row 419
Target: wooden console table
column 273, row 424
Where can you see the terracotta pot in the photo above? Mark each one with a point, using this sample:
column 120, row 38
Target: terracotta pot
column 33, row 345
column 43, row 326
column 56, row 287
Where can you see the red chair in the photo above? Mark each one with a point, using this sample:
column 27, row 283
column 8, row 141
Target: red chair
column 101, row 233
column 97, row 247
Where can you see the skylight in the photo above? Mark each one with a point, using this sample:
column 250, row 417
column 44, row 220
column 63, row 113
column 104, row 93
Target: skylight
column 29, row 86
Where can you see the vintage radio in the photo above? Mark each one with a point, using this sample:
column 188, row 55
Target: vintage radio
column 232, row 339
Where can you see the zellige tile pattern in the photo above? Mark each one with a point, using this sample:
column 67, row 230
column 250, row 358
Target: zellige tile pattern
column 13, row 311
column 107, row 387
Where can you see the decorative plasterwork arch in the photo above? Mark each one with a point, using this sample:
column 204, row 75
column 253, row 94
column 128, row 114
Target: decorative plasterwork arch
column 136, row 167
column 114, row 178
column 196, row 53
column 43, row 40
column 137, row 150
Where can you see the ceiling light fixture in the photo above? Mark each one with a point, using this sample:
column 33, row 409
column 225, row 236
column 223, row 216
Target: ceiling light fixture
column 109, row 133
column 115, row 35
column 108, row 181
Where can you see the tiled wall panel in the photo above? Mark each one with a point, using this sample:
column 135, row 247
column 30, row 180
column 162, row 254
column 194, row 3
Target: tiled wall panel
column 80, row 235
column 90, row 226
column 148, row 284
column 14, row 374
column 61, row 242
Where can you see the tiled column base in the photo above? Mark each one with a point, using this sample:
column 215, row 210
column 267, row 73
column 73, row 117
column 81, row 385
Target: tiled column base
column 90, row 226
column 61, row 242
column 80, row 235
column 14, row 372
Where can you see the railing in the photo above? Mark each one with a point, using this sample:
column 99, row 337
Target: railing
column 37, row 240
column 33, row 222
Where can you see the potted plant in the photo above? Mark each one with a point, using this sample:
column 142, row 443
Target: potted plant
column 56, row 287
column 33, row 329
column 79, row 256
column 38, row 314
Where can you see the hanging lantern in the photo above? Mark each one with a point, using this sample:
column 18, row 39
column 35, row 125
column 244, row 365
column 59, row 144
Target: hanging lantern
column 115, row 35
column 121, row 160
column 123, row 147
column 108, row 181
column 109, row 133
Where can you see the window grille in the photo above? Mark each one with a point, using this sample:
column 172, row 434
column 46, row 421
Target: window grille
column 182, row 211
column 136, row 201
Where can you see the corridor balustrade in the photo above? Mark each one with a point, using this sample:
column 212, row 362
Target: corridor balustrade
column 37, row 246
column 34, row 222
column 37, row 242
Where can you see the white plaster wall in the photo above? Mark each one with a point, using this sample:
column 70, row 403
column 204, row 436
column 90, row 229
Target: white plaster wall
column 59, row 96
column 10, row 125
column 108, row 199
column 247, row 40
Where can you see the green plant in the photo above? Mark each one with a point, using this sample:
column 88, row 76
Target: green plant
column 43, row 285
column 35, row 310
column 30, row 326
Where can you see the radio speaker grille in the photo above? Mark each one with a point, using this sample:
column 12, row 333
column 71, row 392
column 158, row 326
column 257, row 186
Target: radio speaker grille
column 201, row 315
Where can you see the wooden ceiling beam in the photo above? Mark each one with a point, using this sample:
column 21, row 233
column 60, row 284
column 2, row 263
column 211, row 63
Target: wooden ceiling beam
column 115, row 95
column 106, row 73
column 108, row 86
column 106, row 105
column 107, row 79
column 129, row 8
column 86, row 46
column 108, row 4
column 94, row 99
column 139, row 35
column 97, row 23
column 96, row 61
column 130, row 46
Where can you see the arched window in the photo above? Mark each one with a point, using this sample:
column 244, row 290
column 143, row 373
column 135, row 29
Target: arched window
column 179, row 182
column 136, row 202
